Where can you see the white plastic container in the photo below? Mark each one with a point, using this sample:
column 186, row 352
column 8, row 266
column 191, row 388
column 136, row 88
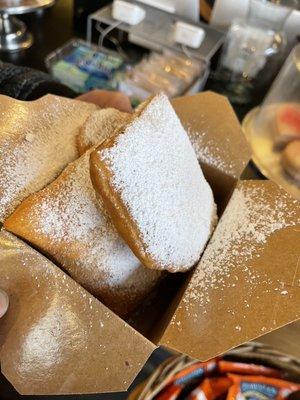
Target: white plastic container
column 188, row 35
column 127, row 12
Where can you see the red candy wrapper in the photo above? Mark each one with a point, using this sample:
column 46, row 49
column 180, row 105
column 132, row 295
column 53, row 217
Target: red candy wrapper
column 260, row 388
column 246, row 369
column 211, row 389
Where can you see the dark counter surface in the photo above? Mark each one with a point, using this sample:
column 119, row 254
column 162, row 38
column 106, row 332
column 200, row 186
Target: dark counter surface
column 50, row 28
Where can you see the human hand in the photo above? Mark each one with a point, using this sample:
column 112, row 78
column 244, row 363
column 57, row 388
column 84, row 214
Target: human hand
column 4, row 302
column 106, row 99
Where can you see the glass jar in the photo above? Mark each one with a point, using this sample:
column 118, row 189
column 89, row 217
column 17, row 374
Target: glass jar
column 253, row 51
column 273, row 129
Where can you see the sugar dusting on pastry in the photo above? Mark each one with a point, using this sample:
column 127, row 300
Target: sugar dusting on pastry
column 69, row 223
column 99, row 126
column 156, row 172
column 69, row 211
column 247, row 223
column 37, row 140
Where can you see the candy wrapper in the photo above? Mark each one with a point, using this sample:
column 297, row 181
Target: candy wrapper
column 260, row 387
column 246, row 369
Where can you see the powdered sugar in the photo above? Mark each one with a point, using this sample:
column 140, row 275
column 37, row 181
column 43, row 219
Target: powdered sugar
column 246, row 224
column 161, row 183
column 53, row 321
column 99, row 126
column 68, row 222
column 37, row 140
column 208, row 152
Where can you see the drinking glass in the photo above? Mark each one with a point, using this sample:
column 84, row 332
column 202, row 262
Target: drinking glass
column 253, row 51
column 272, row 127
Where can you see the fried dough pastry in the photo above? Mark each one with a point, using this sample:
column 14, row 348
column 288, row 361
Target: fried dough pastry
column 151, row 184
column 68, row 223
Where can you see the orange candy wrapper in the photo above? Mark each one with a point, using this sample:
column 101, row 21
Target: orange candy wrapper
column 260, row 388
column 177, row 383
column 197, row 370
column 225, row 367
column 219, row 379
column 211, row 389
column 170, row 393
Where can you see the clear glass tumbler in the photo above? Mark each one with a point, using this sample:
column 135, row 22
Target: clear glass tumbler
column 254, row 50
column 273, row 129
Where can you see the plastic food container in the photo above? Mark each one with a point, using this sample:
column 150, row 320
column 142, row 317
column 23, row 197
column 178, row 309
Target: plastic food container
column 84, row 67
column 174, row 73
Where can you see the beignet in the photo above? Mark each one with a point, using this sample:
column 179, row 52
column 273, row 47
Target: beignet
column 100, row 125
column 37, row 140
column 154, row 190
column 68, row 223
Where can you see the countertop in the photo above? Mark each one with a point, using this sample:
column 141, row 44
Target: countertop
column 51, row 28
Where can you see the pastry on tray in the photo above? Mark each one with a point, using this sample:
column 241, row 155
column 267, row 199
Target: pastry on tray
column 287, row 124
column 37, row 140
column 152, row 186
column 68, row 223
column 291, row 159
column 99, row 126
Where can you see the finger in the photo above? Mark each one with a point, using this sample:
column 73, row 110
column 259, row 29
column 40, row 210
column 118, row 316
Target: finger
column 105, row 99
column 4, row 302
column 120, row 102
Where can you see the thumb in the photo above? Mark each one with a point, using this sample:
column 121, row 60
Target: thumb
column 4, row 302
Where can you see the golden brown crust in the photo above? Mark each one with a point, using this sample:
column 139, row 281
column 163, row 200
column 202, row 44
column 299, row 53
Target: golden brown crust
column 127, row 229
column 82, row 146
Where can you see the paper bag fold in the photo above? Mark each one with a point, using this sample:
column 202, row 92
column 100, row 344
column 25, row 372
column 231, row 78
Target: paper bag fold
column 248, row 280
column 218, row 140
column 56, row 338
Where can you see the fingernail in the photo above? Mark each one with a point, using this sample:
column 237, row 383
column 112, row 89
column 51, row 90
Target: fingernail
column 4, row 302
